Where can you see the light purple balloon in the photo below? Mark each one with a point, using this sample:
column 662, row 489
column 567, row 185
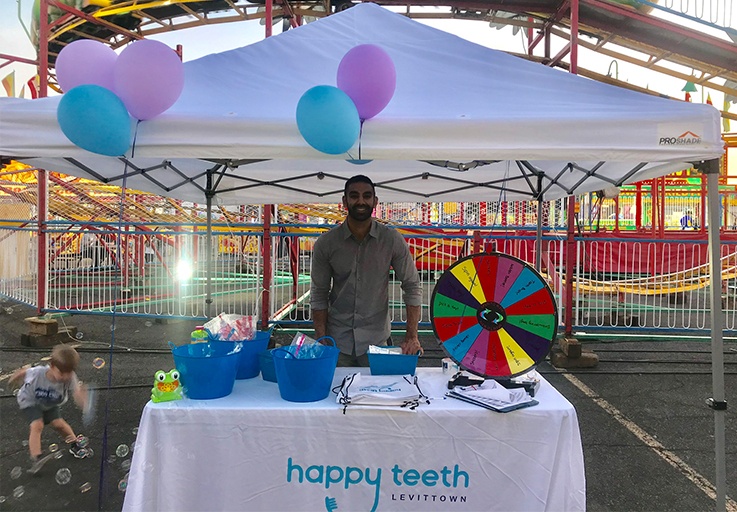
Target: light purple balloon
column 85, row 62
column 149, row 77
column 366, row 74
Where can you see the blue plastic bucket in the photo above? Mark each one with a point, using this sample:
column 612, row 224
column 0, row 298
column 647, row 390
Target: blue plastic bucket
column 392, row 364
column 305, row 380
column 266, row 362
column 207, row 370
column 248, row 359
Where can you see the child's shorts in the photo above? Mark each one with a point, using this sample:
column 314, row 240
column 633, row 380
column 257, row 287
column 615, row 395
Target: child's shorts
column 34, row 413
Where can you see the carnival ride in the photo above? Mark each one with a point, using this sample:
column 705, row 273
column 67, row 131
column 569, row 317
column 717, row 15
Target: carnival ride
column 640, row 32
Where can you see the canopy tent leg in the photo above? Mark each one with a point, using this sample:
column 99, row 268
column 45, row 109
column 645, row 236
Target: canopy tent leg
column 539, row 237
column 208, row 248
column 717, row 402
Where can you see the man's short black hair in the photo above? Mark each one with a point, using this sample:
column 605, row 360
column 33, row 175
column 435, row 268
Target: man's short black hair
column 359, row 178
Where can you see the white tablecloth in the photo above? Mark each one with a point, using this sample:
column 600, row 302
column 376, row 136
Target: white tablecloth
column 254, row 451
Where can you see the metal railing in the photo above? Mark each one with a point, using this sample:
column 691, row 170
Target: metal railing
column 642, row 285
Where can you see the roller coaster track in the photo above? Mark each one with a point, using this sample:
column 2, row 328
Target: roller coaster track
column 692, row 279
column 604, row 26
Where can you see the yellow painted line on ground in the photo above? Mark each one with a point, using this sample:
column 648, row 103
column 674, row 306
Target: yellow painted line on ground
column 671, row 458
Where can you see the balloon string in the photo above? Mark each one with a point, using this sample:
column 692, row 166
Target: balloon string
column 133, row 146
column 360, row 136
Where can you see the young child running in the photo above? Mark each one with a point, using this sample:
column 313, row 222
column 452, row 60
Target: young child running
column 44, row 389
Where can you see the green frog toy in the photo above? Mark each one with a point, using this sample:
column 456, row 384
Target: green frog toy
column 166, row 387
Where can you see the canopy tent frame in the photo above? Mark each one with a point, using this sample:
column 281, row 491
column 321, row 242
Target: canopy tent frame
column 538, row 182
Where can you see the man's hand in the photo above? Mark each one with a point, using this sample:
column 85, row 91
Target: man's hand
column 320, row 322
column 411, row 345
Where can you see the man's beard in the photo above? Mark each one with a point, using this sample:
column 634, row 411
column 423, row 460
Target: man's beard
column 355, row 214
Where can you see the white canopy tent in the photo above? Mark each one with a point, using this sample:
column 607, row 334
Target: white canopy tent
column 466, row 123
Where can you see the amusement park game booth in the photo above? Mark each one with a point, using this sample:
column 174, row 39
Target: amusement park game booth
column 465, row 123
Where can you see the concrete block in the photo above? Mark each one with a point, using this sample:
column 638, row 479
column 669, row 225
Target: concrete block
column 42, row 325
column 570, row 346
column 65, row 335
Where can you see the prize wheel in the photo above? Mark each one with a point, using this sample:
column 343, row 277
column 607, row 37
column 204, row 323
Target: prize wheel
column 494, row 315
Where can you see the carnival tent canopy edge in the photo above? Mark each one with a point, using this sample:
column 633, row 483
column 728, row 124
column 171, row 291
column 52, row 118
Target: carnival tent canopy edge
column 466, row 123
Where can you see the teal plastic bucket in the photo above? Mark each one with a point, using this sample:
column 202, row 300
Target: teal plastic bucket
column 305, row 380
column 248, row 366
column 207, row 370
column 266, row 362
column 393, row 364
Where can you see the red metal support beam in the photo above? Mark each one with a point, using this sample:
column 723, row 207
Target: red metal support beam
column 92, row 19
column 661, row 229
column 13, row 58
column 269, row 17
column 43, row 271
column 560, row 56
column 655, row 22
column 43, row 49
column 571, row 241
column 570, row 256
column 638, row 206
column 574, row 37
column 544, row 33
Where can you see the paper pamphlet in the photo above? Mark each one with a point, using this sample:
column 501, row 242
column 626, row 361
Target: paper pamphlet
column 494, row 396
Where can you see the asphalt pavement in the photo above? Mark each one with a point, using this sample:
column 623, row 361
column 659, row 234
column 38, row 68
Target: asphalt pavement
column 647, row 433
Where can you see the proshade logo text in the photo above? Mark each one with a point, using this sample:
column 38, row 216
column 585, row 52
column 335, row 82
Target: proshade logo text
column 684, row 139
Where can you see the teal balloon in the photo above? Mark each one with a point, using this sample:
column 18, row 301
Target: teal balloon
column 95, row 119
column 328, row 119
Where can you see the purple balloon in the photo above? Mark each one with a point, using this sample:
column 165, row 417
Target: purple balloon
column 149, row 77
column 366, row 74
column 85, row 62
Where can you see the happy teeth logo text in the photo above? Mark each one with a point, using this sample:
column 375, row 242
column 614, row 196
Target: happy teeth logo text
column 402, row 479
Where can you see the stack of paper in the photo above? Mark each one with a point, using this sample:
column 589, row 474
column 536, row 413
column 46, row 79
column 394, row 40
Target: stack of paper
column 494, row 396
column 382, row 391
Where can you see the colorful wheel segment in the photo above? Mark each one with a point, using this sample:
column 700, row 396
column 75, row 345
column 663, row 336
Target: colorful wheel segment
column 494, row 315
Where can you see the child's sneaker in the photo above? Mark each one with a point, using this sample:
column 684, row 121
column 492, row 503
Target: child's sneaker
column 83, row 441
column 38, row 462
column 79, row 449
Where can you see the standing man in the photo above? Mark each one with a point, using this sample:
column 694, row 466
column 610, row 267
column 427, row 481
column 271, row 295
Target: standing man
column 349, row 286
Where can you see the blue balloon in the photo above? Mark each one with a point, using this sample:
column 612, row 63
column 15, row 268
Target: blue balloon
column 359, row 162
column 95, row 119
column 328, row 119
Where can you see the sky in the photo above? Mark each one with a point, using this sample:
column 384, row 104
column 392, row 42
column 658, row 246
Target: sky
column 201, row 41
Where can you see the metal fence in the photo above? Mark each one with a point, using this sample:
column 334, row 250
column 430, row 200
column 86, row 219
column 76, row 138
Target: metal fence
column 647, row 285
column 153, row 259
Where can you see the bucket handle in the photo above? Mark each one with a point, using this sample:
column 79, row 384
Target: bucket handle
column 172, row 346
column 327, row 338
column 283, row 349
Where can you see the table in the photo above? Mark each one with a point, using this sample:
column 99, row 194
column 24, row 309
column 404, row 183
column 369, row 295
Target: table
column 254, row 451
